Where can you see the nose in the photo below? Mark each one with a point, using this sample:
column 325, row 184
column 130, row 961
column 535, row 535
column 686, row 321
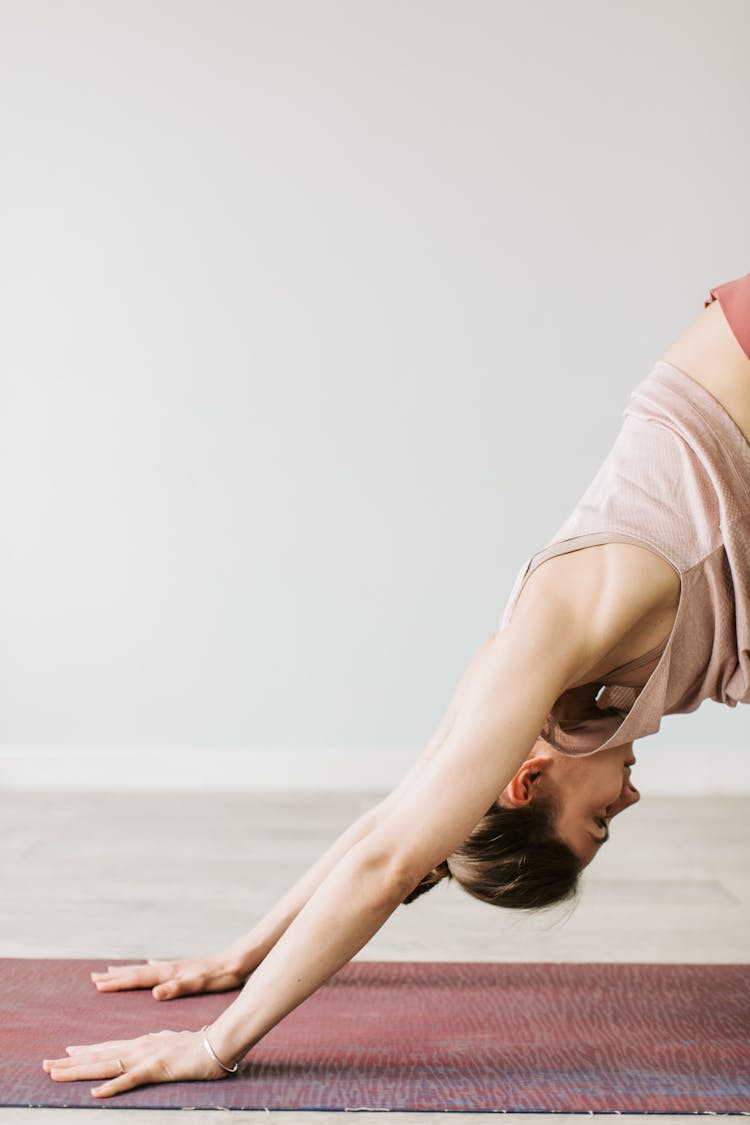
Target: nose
column 629, row 795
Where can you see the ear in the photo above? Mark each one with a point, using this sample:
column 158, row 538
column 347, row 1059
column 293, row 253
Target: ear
column 524, row 784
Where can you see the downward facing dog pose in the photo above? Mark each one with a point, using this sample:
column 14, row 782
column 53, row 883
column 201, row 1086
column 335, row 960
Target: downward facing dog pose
column 637, row 608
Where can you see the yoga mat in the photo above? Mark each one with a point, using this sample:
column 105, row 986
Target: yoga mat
column 418, row 1036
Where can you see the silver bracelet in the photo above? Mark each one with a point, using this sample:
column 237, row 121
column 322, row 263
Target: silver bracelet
column 215, row 1057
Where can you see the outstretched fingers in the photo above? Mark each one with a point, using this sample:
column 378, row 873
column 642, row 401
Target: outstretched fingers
column 94, row 1050
column 87, row 1064
column 168, row 979
column 91, row 1066
column 161, row 1056
column 138, row 1076
column 120, row 977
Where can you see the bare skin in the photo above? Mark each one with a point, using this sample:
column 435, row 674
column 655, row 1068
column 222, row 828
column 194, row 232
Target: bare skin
column 590, row 790
column 708, row 351
column 605, row 605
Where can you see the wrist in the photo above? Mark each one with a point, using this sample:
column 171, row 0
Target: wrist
column 241, row 959
column 230, row 1038
column 228, row 1067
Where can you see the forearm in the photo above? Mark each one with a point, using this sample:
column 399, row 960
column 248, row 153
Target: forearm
column 250, row 949
column 350, row 905
column 506, row 701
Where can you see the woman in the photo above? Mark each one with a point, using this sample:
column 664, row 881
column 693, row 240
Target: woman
column 638, row 607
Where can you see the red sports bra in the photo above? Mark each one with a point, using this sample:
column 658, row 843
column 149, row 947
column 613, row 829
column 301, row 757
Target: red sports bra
column 734, row 298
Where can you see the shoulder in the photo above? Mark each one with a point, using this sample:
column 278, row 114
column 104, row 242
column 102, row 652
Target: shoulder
column 601, row 603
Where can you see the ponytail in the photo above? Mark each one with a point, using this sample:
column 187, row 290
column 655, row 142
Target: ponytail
column 512, row 858
column 430, row 880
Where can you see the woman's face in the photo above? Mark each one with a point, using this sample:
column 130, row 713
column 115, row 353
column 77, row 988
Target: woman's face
column 591, row 791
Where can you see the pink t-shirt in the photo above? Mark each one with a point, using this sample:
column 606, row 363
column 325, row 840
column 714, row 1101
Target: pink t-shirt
column 677, row 481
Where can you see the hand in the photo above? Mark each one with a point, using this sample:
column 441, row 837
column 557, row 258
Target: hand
column 163, row 1056
column 168, row 979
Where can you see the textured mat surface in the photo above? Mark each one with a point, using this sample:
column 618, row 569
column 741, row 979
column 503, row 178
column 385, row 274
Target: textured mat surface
column 416, row 1036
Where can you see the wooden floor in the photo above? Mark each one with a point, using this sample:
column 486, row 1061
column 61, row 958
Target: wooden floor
column 160, row 875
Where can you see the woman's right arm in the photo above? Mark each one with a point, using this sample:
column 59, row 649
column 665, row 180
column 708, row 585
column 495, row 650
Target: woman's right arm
column 547, row 646
column 231, row 967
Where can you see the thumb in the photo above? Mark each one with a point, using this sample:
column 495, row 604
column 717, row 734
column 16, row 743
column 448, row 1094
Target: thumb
column 167, row 990
column 182, row 986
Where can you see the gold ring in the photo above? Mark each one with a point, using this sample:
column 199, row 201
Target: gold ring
column 121, row 1065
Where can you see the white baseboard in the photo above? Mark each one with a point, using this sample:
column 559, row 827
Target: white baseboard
column 659, row 771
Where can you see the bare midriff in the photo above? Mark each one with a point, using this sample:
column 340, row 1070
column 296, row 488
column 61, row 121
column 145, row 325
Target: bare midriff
column 709, row 352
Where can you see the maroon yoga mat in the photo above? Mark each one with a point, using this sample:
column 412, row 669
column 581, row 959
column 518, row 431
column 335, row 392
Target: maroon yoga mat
column 418, row 1036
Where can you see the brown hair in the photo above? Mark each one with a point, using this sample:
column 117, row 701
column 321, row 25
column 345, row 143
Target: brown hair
column 513, row 859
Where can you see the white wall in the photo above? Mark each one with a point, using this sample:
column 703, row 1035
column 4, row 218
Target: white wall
column 317, row 319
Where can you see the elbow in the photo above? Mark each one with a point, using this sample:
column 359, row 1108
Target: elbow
column 391, row 874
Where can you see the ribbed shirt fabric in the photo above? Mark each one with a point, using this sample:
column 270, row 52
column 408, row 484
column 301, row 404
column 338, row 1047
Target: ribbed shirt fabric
column 677, row 481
